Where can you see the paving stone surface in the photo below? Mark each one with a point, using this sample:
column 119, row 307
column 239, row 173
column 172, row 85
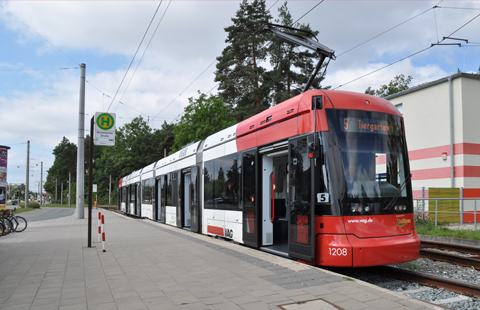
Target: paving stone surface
column 148, row 265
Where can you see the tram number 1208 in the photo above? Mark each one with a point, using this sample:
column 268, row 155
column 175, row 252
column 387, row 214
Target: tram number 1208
column 338, row 251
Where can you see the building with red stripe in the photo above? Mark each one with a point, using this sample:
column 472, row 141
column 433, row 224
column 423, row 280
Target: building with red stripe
column 442, row 121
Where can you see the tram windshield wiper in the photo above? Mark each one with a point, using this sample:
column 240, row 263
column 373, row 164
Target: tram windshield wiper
column 397, row 194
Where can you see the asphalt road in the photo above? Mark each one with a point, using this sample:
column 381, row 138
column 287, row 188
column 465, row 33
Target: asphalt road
column 47, row 213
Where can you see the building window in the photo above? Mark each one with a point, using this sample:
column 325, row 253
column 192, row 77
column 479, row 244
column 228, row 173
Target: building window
column 400, row 107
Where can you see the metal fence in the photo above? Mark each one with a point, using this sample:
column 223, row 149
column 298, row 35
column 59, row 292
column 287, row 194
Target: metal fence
column 424, row 208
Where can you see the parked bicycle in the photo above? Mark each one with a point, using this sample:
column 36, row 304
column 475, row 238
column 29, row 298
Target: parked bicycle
column 7, row 226
column 11, row 222
column 19, row 223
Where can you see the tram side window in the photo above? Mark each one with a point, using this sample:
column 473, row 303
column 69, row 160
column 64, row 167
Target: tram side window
column 147, row 191
column 208, row 184
column 175, row 189
column 132, row 193
column 222, row 183
column 124, row 194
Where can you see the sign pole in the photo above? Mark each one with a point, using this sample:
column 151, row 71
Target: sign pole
column 90, row 183
column 27, row 183
column 103, row 134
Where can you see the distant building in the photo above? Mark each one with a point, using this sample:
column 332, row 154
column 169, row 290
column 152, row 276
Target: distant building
column 442, row 124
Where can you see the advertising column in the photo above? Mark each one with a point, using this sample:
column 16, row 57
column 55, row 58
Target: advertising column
column 3, row 176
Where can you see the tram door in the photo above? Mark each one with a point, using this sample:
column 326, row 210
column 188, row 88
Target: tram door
column 132, row 196
column 187, row 199
column 249, row 198
column 159, row 201
column 127, row 199
column 138, row 209
column 274, row 197
column 301, row 217
column 194, row 201
column 162, row 198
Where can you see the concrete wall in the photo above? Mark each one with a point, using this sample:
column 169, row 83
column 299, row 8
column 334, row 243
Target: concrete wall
column 426, row 114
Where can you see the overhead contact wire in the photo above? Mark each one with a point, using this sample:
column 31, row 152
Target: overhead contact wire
column 148, row 45
column 138, row 48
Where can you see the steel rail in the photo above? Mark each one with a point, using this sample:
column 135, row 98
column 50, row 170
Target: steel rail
column 450, row 247
column 451, row 258
column 428, row 280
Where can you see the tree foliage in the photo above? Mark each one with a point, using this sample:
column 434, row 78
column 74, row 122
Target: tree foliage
column 65, row 161
column 398, row 84
column 247, row 82
column 203, row 117
column 239, row 69
column 136, row 146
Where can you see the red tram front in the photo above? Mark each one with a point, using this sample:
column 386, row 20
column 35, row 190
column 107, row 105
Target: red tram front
column 338, row 192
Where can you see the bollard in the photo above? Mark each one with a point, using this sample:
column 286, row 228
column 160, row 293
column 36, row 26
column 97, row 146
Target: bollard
column 99, row 226
column 103, row 233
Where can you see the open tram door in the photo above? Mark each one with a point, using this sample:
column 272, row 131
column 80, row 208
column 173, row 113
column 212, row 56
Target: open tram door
column 301, row 236
column 274, row 222
column 250, row 205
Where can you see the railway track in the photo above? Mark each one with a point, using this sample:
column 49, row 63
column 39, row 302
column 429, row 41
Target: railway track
column 429, row 280
column 470, row 261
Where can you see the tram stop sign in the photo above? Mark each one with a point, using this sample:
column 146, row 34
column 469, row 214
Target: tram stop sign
column 104, row 129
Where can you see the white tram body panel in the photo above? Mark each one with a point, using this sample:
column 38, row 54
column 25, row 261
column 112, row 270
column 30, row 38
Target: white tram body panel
column 181, row 161
column 225, row 223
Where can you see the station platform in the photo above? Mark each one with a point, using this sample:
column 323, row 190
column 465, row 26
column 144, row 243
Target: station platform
column 148, row 265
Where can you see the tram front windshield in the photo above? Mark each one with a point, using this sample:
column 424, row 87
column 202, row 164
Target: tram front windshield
column 372, row 152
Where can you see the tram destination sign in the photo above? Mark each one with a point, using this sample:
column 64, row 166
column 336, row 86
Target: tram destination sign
column 353, row 124
column 104, row 129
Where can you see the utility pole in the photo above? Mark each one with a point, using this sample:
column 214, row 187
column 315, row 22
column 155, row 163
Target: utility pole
column 27, row 187
column 80, row 201
column 56, row 184
column 41, row 183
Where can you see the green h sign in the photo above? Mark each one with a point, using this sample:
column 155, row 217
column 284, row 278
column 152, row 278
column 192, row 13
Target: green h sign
column 105, row 121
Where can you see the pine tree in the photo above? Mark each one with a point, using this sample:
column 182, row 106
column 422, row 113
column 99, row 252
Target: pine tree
column 292, row 66
column 239, row 69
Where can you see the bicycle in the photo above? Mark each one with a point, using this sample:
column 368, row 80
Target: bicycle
column 6, row 222
column 19, row 223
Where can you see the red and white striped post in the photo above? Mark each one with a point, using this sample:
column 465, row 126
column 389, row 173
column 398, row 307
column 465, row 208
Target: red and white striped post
column 103, row 233
column 99, row 226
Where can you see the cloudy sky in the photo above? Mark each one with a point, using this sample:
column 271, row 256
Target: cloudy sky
column 43, row 44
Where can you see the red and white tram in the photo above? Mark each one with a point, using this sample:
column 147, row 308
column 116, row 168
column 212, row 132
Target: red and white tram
column 322, row 178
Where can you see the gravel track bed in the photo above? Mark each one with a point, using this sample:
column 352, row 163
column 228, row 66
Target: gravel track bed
column 440, row 269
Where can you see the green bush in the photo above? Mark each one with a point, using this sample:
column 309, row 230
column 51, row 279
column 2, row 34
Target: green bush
column 33, row 204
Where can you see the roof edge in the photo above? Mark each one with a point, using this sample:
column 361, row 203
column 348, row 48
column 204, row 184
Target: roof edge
column 432, row 83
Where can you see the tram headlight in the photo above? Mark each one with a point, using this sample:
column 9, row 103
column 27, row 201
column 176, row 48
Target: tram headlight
column 360, row 209
column 396, row 208
column 367, row 209
column 353, row 209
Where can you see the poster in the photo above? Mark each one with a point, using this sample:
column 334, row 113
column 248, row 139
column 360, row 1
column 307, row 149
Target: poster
column 3, row 176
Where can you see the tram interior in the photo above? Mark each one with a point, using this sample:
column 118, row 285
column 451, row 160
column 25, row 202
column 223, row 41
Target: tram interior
column 277, row 197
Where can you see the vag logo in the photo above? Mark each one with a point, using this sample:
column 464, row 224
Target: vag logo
column 228, row 232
